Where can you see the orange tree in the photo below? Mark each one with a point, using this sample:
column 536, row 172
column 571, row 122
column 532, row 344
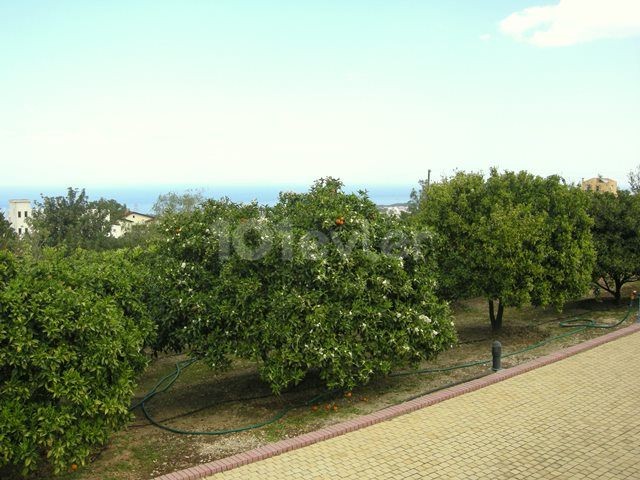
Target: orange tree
column 71, row 338
column 616, row 234
column 320, row 282
column 514, row 238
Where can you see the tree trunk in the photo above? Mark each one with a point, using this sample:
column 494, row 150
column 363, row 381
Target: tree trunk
column 496, row 320
column 616, row 294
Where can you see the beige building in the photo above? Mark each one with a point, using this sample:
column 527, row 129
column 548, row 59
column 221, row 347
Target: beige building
column 128, row 222
column 600, row 184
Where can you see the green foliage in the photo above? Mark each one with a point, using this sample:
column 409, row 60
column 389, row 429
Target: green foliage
column 8, row 237
column 616, row 234
column 634, row 180
column 172, row 203
column 7, row 267
column 512, row 237
column 71, row 338
column 140, row 235
column 73, row 221
column 321, row 282
column 187, row 261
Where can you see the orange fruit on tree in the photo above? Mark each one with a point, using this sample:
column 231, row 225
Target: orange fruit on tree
column 335, row 408
column 74, row 467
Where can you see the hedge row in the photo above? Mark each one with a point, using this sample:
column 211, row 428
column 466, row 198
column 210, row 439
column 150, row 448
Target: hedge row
column 71, row 339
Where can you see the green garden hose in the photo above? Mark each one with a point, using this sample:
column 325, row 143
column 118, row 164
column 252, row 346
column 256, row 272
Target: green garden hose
column 582, row 324
column 165, row 383
column 252, row 426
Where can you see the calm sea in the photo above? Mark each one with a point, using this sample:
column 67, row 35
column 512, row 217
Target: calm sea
column 141, row 199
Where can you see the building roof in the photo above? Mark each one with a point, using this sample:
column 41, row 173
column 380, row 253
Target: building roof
column 600, row 179
column 131, row 212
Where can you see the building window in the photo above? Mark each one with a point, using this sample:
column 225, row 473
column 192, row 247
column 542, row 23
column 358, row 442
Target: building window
column 26, row 213
column 19, row 231
column 26, row 230
column 19, row 214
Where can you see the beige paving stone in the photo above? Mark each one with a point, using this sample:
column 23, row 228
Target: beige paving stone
column 575, row 419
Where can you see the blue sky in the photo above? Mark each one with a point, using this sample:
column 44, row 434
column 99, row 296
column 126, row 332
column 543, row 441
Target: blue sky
column 211, row 92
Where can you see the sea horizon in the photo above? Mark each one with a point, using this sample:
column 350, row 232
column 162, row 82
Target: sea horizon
column 142, row 198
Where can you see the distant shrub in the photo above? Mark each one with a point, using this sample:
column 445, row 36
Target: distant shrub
column 71, row 338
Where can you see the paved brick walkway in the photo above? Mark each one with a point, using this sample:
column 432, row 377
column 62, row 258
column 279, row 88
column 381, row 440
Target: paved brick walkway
column 575, row 419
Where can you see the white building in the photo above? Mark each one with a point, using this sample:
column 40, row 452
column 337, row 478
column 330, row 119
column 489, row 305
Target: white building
column 394, row 210
column 19, row 212
column 128, row 222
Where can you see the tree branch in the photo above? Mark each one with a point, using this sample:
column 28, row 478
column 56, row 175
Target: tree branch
column 606, row 288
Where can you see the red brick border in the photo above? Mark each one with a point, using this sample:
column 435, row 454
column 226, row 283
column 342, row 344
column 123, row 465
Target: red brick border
column 283, row 446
